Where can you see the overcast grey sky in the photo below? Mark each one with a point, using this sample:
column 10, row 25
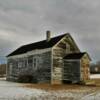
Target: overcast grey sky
column 25, row 21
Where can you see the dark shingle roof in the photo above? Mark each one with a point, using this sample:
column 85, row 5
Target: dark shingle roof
column 37, row 45
column 75, row 55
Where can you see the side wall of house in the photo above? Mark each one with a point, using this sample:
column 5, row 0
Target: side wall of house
column 85, row 68
column 36, row 65
column 65, row 46
column 71, row 72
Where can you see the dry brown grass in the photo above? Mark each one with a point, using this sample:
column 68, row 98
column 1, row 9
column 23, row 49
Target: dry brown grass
column 60, row 87
column 97, row 81
column 65, row 91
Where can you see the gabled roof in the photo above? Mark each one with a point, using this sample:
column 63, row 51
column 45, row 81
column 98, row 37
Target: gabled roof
column 76, row 55
column 37, row 45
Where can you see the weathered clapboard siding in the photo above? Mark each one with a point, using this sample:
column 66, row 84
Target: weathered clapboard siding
column 44, row 68
column 85, row 68
column 41, row 69
column 71, row 71
column 73, row 46
column 65, row 46
column 58, row 53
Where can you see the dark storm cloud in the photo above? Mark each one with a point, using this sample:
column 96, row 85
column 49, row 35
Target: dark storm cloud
column 25, row 21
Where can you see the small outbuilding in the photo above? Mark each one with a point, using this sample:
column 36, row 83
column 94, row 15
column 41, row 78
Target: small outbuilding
column 76, row 67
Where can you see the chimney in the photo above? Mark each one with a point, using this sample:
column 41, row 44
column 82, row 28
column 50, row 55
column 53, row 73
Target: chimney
column 48, row 35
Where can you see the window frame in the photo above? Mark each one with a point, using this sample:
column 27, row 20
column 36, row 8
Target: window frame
column 35, row 61
column 20, row 64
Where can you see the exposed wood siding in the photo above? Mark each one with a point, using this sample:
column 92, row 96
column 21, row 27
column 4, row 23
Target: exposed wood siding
column 59, row 51
column 40, row 69
column 85, row 67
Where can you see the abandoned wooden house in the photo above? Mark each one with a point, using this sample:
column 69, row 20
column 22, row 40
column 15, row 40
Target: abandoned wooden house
column 54, row 60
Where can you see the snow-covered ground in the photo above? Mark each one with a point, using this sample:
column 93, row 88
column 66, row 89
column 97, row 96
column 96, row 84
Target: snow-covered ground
column 17, row 91
column 95, row 76
column 93, row 96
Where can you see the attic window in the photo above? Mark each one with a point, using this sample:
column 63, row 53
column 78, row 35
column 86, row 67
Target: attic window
column 67, row 48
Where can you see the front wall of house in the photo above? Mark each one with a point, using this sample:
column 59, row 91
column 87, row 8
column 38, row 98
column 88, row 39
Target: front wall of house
column 37, row 65
column 65, row 46
column 71, row 71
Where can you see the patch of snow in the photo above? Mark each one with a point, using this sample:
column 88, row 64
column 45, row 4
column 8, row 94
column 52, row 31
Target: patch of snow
column 94, row 76
column 15, row 91
column 93, row 96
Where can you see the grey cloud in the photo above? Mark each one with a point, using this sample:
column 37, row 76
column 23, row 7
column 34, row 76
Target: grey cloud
column 27, row 20
column 7, row 46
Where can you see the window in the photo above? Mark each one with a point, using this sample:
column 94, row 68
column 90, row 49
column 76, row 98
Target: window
column 67, row 48
column 34, row 63
column 20, row 64
column 24, row 63
column 10, row 68
column 30, row 61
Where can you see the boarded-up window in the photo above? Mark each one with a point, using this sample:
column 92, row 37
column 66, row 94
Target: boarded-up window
column 35, row 63
column 20, row 64
column 25, row 62
column 30, row 61
column 10, row 68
